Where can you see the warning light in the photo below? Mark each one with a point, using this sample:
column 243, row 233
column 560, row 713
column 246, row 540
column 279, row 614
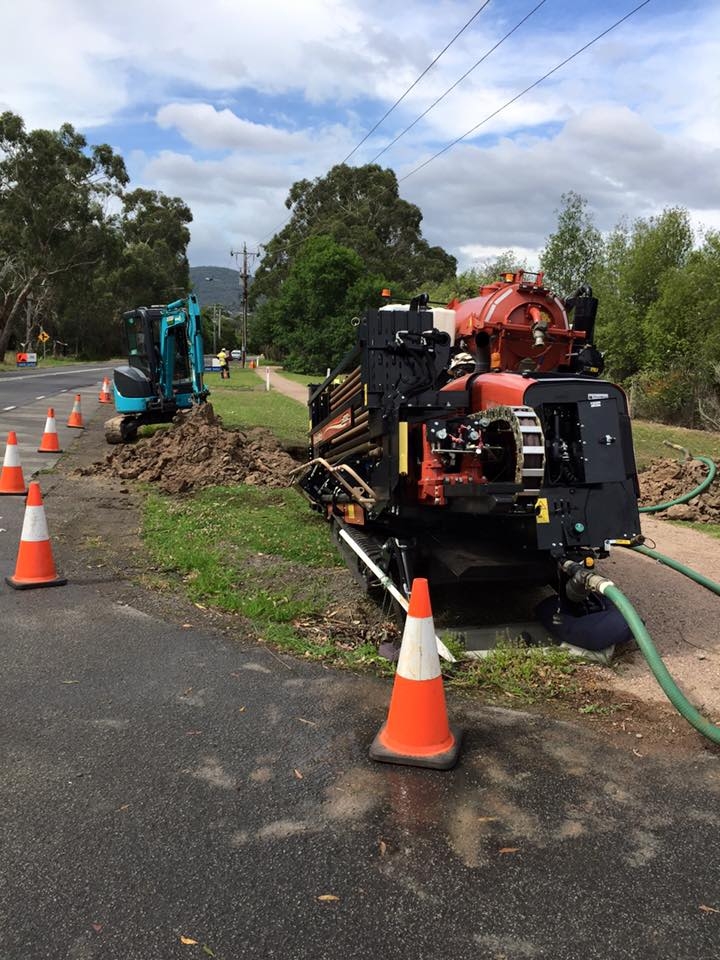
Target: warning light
column 590, row 562
column 509, row 277
column 385, row 293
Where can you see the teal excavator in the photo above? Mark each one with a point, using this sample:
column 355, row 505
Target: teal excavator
column 164, row 373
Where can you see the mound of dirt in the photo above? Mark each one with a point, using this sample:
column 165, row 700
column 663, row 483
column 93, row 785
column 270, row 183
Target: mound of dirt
column 198, row 452
column 665, row 480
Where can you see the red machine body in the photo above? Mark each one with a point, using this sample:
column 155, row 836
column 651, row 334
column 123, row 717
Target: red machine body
column 519, row 322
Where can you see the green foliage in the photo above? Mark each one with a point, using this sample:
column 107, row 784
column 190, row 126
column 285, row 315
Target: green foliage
column 572, row 252
column 360, row 209
column 310, row 318
column 67, row 264
column 637, row 261
column 465, row 285
column 211, row 537
column 522, row 673
column 648, row 441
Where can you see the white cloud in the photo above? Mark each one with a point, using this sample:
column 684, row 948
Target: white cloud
column 204, row 126
column 633, row 123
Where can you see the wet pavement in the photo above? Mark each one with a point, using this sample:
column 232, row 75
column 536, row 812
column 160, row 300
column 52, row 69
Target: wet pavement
column 159, row 781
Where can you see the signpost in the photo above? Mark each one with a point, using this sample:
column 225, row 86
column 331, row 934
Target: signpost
column 25, row 359
column 43, row 337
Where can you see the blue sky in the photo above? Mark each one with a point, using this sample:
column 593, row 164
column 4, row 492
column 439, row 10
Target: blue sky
column 226, row 104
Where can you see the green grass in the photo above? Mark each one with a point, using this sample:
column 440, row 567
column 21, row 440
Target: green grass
column 243, row 402
column 648, row 441
column 245, row 549
column 259, row 553
column 525, row 674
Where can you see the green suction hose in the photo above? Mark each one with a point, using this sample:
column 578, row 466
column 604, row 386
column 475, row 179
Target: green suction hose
column 680, row 567
column 597, row 584
column 660, row 671
column 712, row 470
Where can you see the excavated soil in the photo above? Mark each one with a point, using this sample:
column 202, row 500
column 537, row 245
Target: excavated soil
column 199, row 452
column 665, row 480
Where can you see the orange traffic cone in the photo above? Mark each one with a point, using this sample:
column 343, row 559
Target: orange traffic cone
column 76, row 419
column 11, row 478
column 416, row 731
column 50, row 442
column 35, row 566
column 105, row 395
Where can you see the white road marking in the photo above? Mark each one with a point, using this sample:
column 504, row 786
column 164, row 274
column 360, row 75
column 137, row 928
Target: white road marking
column 41, row 397
column 8, row 408
column 60, row 373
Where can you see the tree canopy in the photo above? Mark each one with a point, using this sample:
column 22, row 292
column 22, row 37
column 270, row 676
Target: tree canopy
column 75, row 248
column 359, row 208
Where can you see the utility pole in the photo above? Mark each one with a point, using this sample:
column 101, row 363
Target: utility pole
column 244, row 276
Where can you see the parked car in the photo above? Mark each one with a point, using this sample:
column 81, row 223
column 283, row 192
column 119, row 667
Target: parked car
column 236, row 354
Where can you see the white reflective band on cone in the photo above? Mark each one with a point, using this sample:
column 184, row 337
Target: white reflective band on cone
column 50, row 425
column 35, row 525
column 12, row 457
column 418, row 653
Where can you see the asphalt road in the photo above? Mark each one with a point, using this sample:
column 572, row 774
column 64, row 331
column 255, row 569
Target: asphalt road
column 159, row 780
column 25, row 385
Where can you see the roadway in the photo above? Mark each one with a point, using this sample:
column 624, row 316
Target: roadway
column 168, row 789
column 25, row 396
column 20, row 387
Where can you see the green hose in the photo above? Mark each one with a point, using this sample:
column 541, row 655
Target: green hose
column 660, row 671
column 680, row 567
column 607, row 588
column 712, row 470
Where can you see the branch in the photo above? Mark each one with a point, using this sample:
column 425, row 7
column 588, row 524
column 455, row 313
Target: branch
column 705, row 416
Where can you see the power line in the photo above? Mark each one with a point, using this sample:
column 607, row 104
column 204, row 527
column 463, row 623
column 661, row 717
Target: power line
column 523, row 92
column 397, row 102
column 416, row 81
column 457, row 82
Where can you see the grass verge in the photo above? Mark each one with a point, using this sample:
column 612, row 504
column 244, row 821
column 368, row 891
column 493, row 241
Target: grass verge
column 648, row 440
column 244, row 402
column 257, row 552
column 520, row 673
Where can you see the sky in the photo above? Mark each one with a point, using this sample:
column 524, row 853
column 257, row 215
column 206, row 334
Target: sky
column 226, row 104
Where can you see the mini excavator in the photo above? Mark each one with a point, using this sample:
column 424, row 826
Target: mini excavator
column 164, row 373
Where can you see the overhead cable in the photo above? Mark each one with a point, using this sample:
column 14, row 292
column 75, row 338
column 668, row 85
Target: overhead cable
column 457, row 82
column 417, row 80
column 523, row 92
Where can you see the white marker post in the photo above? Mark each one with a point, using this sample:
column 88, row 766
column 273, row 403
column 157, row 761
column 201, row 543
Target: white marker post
column 267, row 378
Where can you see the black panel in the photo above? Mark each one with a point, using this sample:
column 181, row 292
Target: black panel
column 132, row 382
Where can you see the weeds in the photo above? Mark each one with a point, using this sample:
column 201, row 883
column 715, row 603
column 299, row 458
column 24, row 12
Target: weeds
column 522, row 673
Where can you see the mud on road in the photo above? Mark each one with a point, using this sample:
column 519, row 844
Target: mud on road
column 95, row 515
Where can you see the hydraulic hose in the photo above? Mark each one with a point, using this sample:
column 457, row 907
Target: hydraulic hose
column 712, row 470
column 607, row 588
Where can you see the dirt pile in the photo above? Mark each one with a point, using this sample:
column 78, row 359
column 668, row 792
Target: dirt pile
column 665, row 480
column 198, row 452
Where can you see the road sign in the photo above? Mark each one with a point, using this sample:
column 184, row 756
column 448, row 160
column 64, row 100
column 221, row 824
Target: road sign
column 43, row 337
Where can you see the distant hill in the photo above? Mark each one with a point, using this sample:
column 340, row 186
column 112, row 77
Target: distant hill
column 224, row 287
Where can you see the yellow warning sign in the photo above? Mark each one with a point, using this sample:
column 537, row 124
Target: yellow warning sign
column 541, row 510
column 43, row 337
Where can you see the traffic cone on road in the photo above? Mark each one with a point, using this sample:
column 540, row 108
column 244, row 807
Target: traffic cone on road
column 416, row 731
column 76, row 419
column 11, row 478
column 35, row 566
column 105, row 394
column 50, row 442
